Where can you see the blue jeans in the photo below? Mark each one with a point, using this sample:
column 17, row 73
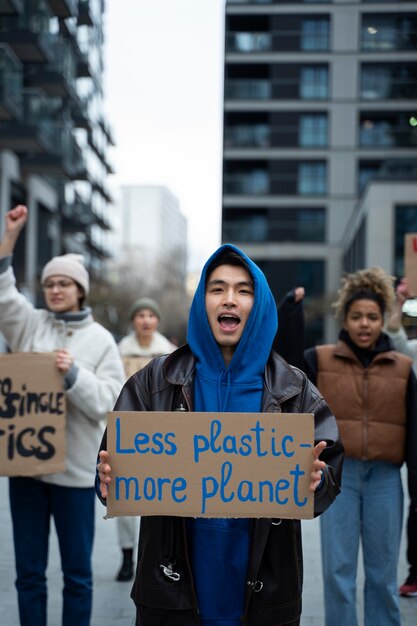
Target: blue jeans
column 368, row 509
column 32, row 504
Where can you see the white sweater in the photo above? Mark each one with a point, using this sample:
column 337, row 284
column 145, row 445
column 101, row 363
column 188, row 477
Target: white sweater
column 99, row 377
column 404, row 345
column 129, row 346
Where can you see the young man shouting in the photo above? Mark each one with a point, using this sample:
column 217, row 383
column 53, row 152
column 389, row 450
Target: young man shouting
column 226, row 572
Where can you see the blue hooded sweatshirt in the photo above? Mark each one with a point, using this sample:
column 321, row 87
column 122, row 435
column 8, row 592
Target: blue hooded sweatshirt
column 219, row 548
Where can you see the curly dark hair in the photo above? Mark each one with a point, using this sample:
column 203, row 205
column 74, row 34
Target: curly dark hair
column 368, row 284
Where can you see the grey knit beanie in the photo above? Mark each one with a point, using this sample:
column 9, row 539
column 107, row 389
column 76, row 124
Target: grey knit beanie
column 145, row 303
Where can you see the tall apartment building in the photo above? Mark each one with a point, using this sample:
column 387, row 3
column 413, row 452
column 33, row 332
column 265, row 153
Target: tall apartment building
column 152, row 227
column 54, row 138
column 320, row 136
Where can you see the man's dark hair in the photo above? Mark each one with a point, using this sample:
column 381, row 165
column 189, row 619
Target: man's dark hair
column 227, row 257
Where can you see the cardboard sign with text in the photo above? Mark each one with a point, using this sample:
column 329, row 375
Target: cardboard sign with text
column 132, row 364
column 32, row 415
column 210, row 465
column 410, row 262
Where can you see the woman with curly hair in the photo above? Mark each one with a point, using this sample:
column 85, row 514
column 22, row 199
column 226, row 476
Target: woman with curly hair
column 372, row 391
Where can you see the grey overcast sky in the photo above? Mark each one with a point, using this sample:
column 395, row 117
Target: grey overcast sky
column 163, row 95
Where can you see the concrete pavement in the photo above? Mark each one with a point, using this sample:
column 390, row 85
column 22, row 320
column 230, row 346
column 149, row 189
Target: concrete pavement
column 112, row 604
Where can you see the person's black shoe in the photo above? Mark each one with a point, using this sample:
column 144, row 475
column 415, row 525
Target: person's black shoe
column 125, row 573
column 409, row 588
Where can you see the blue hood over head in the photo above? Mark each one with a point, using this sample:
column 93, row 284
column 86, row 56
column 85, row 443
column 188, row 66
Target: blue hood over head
column 245, row 371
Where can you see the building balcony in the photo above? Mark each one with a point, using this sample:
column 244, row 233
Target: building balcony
column 306, row 35
column 33, row 132
column 249, row 42
column 103, row 222
column 28, row 46
column 101, row 187
column 85, row 14
column 63, row 159
column 109, row 165
column 11, row 81
column 11, row 7
column 57, row 78
column 78, row 216
column 294, row 225
column 64, row 8
column 98, row 250
column 79, row 114
column 248, row 89
column 84, row 69
column 388, row 133
column 288, row 177
column 230, row 2
column 108, row 131
column 23, row 138
column 256, row 182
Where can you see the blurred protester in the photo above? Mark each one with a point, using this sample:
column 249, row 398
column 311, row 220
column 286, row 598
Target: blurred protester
column 397, row 334
column 289, row 340
column 87, row 357
column 145, row 342
column 372, row 391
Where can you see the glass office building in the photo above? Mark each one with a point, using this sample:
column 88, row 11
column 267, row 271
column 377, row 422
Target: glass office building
column 320, row 101
column 54, row 138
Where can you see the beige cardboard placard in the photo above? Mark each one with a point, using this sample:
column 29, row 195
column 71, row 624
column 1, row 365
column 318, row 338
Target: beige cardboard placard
column 132, row 364
column 410, row 261
column 210, row 465
column 32, row 415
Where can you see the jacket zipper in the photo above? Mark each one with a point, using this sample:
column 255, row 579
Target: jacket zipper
column 366, row 402
column 186, row 408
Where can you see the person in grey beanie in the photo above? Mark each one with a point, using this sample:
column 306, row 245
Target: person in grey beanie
column 92, row 371
column 144, row 343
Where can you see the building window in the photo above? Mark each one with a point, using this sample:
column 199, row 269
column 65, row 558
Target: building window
column 312, row 179
column 375, row 82
column 405, row 222
column 246, row 226
column 248, row 89
column 354, row 258
column 313, row 130
column 315, row 34
column 376, row 133
column 390, row 81
column 247, row 135
column 367, row 171
column 249, row 42
column 382, row 32
column 314, row 83
column 274, row 225
column 254, row 182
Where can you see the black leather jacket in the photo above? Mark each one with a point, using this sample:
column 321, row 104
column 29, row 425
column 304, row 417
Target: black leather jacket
column 163, row 589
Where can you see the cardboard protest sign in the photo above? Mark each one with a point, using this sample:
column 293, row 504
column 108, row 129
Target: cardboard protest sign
column 134, row 363
column 32, row 415
column 410, row 262
column 210, row 465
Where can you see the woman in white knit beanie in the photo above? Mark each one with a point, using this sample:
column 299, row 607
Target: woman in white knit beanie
column 88, row 359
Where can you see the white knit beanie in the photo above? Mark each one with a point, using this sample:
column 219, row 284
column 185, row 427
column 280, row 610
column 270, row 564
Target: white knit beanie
column 71, row 265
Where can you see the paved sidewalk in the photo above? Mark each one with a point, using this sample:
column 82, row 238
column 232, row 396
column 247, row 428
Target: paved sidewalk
column 112, row 604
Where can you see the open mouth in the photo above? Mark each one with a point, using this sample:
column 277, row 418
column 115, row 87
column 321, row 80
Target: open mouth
column 228, row 322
